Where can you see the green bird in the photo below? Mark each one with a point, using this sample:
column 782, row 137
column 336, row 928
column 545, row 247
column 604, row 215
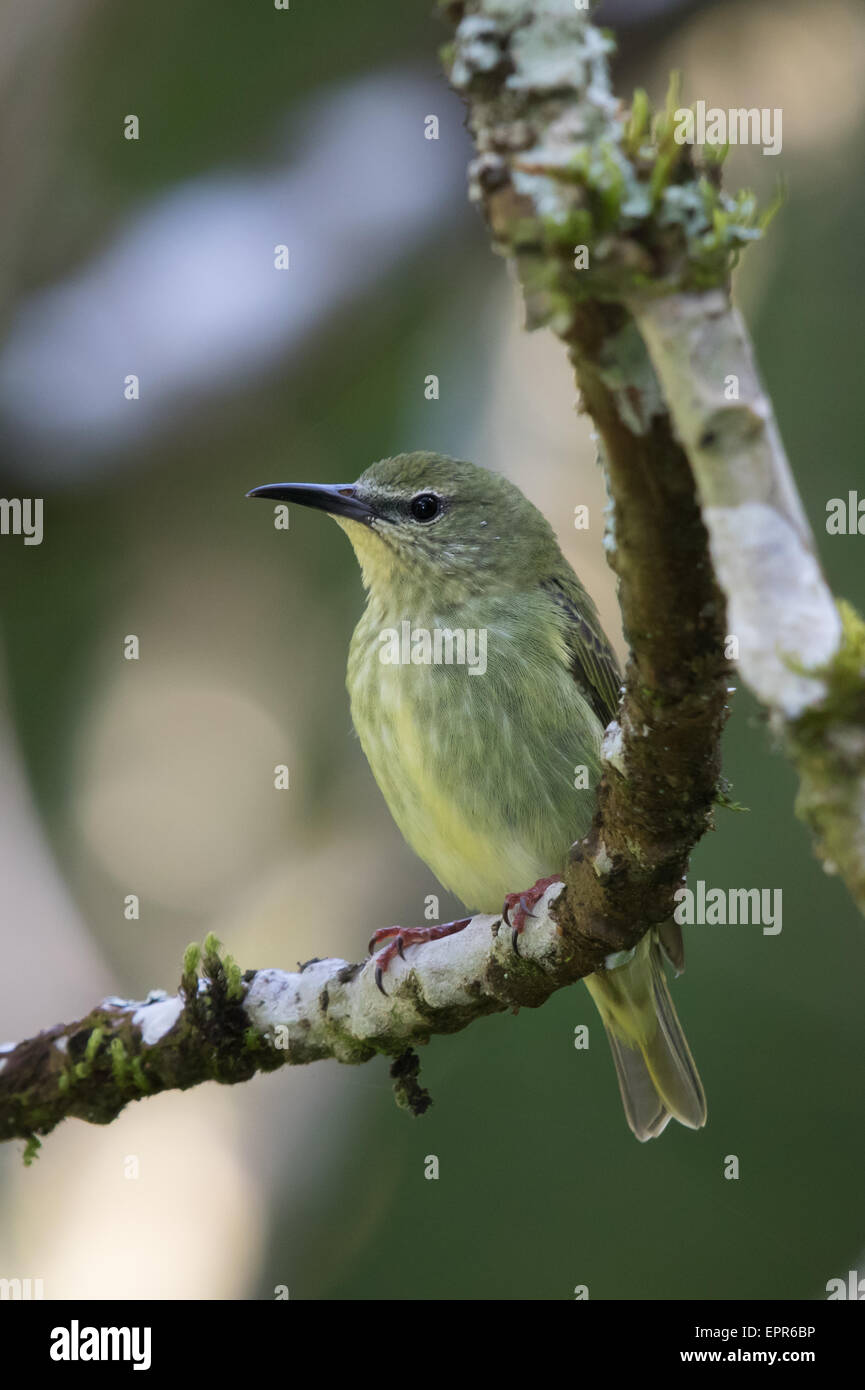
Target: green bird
column 480, row 681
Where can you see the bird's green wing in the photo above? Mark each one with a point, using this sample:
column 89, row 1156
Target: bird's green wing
column 593, row 664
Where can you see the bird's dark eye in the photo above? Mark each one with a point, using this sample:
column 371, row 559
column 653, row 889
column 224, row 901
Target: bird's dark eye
column 425, row 506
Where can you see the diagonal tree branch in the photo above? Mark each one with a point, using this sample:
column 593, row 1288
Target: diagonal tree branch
column 802, row 655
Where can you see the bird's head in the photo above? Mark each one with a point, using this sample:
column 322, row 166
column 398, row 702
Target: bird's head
column 424, row 520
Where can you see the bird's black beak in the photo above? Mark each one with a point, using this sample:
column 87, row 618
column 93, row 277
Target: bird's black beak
column 337, row 498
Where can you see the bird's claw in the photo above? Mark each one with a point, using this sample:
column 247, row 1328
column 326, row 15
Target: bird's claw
column 407, row 936
column 381, row 935
column 394, row 948
column 521, row 905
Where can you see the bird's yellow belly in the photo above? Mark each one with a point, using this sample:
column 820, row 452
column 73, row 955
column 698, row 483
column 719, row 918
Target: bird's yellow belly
column 447, row 798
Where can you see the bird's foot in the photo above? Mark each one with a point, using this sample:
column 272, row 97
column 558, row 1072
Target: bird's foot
column 518, row 906
column 407, row 936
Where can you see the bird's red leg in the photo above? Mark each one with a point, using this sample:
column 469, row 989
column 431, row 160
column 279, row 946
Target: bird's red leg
column 521, row 904
column 408, row 936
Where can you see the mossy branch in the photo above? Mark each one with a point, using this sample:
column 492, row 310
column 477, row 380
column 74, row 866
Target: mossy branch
column 223, row 1026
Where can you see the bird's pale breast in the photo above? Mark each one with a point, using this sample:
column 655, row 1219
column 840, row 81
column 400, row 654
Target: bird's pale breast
column 489, row 776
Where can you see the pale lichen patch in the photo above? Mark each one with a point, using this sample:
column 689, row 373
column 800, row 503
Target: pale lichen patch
column 774, row 586
column 613, row 747
column 157, row 1016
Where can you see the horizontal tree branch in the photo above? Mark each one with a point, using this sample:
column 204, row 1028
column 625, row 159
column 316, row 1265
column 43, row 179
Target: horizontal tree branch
column 221, row 1026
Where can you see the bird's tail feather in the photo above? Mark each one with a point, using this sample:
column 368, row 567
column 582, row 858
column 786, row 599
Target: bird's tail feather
column 657, row 1076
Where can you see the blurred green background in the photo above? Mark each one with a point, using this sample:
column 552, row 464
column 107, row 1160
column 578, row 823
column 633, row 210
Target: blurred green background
column 155, row 257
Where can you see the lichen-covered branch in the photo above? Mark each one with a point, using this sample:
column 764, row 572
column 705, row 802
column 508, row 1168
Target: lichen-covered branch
column 801, row 653
column 223, row 1026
